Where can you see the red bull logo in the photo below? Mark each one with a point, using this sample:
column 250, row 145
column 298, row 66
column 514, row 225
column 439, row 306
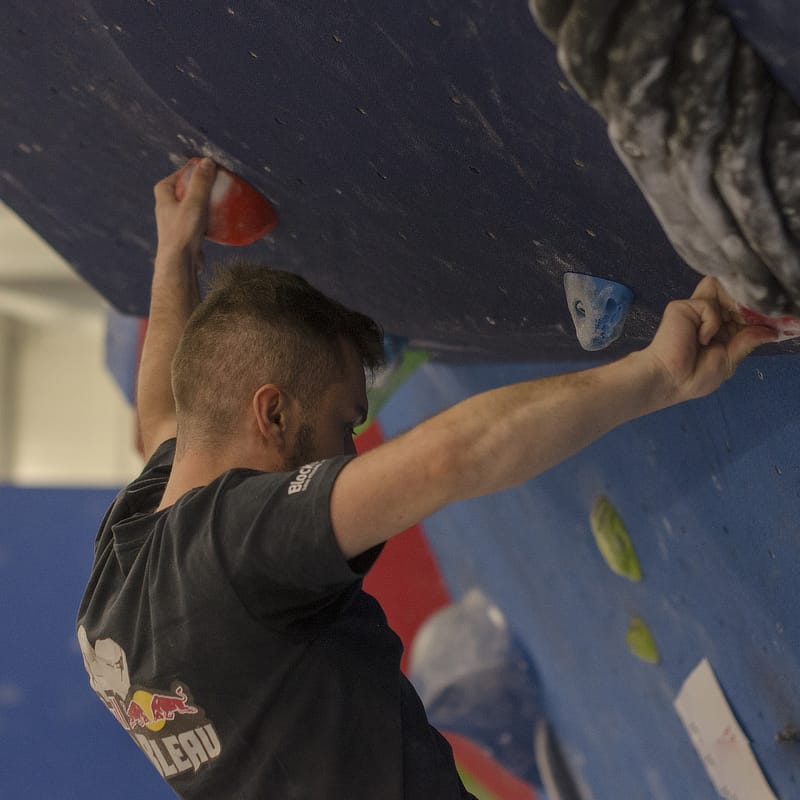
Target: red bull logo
column 177, row 749
column 186, row 745
column 153, row 711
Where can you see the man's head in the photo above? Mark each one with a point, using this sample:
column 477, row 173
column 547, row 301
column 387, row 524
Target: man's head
column 266, row 352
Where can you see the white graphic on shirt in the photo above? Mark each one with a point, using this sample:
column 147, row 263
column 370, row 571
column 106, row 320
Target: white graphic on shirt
column 106, row 665
column 303, row 477
column 189, row 741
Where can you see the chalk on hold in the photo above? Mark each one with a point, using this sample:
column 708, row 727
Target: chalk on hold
column 613, row 541
column 641, row 642
column 598, row 307
column 238, row 214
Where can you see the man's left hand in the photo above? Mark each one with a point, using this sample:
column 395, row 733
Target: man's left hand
column 182, row 223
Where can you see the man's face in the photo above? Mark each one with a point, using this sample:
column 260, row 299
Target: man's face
column 326, row 429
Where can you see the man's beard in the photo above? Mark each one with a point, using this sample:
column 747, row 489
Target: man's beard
column 302, row 451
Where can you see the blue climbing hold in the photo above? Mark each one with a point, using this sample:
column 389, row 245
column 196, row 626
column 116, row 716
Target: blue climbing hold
column 598, row 307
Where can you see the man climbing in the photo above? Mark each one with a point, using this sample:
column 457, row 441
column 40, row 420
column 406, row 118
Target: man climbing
column 224, row 623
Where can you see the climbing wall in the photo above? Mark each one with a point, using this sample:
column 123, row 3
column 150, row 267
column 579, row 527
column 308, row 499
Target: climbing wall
column 57, row 740
column 429, row 162
column 708, row 493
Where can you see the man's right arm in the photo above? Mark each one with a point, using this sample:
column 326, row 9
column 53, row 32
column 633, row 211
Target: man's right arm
column 173, row 297
column 504, row 437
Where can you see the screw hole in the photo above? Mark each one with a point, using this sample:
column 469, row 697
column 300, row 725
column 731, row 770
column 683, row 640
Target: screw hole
column 378, row 172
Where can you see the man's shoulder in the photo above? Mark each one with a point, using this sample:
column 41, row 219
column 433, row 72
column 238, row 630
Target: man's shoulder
column 144, row 492
column 162, row 457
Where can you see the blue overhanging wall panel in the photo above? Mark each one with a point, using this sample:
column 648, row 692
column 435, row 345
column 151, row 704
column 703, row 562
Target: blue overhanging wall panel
column 709, row 493
column 429, row 164
column 58, row 741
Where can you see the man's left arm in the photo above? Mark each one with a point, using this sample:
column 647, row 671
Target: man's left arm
column 504, row 437
column 174, row 295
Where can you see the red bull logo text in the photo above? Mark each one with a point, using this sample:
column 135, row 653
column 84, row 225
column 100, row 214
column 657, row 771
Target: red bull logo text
column 181, row 751
column 177, row 749
column 185, row 751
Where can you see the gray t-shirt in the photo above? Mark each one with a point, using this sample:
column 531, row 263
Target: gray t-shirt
column 231, row 638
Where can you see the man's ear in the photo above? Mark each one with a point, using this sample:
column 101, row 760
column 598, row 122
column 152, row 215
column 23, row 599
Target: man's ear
column 270, row 407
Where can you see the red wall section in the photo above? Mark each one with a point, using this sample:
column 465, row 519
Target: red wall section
column 406, row 578
column 407, row 582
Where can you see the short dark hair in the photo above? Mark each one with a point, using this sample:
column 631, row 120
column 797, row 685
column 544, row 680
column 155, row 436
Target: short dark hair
column 259, row 325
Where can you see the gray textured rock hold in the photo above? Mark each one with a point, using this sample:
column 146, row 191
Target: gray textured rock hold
column 699, row 122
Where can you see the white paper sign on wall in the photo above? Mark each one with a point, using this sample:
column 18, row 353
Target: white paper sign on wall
column 718, row 739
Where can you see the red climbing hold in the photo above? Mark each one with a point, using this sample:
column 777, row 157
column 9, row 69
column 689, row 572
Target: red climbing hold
column 785, row 327
column 238, row 214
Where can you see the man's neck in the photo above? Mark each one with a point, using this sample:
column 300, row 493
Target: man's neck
column 198, row 467
column 187, row 473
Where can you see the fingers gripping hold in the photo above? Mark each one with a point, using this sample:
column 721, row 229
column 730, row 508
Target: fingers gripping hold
column 201, row 181
column 181, row 212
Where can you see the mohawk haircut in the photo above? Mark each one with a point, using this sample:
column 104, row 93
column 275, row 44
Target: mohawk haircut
column 257, row 325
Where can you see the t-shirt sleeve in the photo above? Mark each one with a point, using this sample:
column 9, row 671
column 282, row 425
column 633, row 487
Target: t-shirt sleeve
column 146, row 491
column 275, row 538
column 163, row 456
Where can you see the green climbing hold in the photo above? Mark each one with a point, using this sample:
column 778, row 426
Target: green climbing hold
column 613, row 540
column 397, row 370
column 641, row 642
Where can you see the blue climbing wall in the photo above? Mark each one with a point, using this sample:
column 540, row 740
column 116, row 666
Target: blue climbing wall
column 57, row 740
column 709, row 492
